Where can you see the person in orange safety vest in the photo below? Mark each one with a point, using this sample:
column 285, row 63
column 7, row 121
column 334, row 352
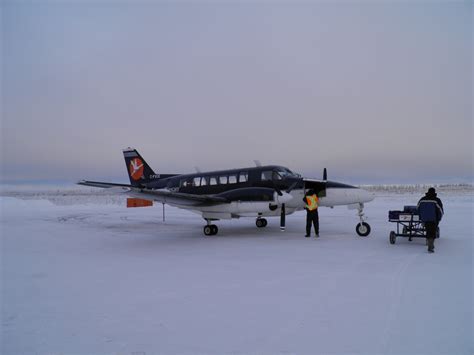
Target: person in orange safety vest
column 311, row 201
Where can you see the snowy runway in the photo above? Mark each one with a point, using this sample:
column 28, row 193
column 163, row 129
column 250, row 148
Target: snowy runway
column 100, row 278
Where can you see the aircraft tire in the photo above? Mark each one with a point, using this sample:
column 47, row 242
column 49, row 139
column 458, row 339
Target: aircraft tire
column 363, row 229
column 214, row 229
column 208, row 230
column 261, row 222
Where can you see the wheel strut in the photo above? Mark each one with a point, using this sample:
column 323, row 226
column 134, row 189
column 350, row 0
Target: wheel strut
column 362, row 228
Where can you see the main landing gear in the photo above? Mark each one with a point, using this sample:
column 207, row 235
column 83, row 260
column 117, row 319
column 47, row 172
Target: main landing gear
column 362, row 228
column 210, row 229
column 261, row 222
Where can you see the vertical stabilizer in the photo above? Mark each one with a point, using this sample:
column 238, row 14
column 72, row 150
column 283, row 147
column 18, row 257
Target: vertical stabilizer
column 138, row 170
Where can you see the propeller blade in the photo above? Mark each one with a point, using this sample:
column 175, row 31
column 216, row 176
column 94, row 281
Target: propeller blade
column 282, row 217
column 325, row 174
column 277, row 189
column 292, row 186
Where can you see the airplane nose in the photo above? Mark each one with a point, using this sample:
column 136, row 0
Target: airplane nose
column 367, row 196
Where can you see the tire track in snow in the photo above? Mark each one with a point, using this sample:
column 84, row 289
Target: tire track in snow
column 395, row 299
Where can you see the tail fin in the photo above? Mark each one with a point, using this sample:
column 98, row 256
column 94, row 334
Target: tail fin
column 138, row 170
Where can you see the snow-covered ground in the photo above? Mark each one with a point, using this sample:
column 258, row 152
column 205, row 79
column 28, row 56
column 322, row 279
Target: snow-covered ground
column 83, row 274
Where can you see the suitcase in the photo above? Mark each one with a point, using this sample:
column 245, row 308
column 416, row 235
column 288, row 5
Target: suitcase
column 394, row 215
column 410, row 209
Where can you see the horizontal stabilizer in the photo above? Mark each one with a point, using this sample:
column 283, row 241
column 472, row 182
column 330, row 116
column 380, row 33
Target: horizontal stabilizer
column 104, row 185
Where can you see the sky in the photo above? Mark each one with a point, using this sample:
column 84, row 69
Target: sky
column 376, row 92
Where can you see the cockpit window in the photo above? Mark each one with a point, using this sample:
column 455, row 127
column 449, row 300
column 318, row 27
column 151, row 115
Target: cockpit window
column 279, row 173
column 267, row 175
column 277, row 176
column 283, row 173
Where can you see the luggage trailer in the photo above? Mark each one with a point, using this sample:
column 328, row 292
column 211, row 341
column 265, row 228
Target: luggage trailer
column 408, row 224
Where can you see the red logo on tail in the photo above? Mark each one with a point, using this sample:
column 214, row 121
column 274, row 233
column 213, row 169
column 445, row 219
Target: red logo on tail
column 136, row 169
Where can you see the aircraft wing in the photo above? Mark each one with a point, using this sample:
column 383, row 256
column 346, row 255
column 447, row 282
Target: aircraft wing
column 250, row 194
column 161, row 195
column 178, row 198
column 313, row 180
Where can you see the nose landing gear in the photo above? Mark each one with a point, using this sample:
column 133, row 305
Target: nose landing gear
column 362, row 228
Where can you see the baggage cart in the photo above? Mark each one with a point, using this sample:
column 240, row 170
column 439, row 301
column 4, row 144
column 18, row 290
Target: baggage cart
column 408, row 223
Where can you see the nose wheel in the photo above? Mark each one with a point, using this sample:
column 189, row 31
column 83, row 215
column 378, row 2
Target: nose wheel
column 362, row 228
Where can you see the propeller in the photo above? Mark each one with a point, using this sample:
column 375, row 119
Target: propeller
column 285, row 197
column 282, row 217
column 275, row 186
column 292, row 186
column 277, row 189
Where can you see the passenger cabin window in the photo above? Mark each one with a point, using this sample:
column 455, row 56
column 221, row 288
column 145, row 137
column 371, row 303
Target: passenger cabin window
column 222, row 180
column 212, row 180
column 197, row 181
column 232, row 179
column 243, row 177
column 173, row 184
column 204, row 181
column 267, row 175
column 187, row 183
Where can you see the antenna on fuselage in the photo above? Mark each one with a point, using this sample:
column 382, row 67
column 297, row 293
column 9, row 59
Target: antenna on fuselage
column 325, row 175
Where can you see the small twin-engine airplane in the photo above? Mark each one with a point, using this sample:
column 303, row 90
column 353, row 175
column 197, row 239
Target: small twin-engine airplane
column 261, row 191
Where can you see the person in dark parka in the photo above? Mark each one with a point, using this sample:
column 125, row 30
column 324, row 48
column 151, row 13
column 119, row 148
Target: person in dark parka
column 311, row 201
column 430, row 209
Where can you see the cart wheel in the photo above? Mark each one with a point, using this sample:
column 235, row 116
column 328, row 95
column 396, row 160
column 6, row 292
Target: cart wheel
column 363, row 229
column 393, row 237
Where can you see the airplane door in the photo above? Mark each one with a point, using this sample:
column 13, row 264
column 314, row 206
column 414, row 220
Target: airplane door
column 318, row 186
